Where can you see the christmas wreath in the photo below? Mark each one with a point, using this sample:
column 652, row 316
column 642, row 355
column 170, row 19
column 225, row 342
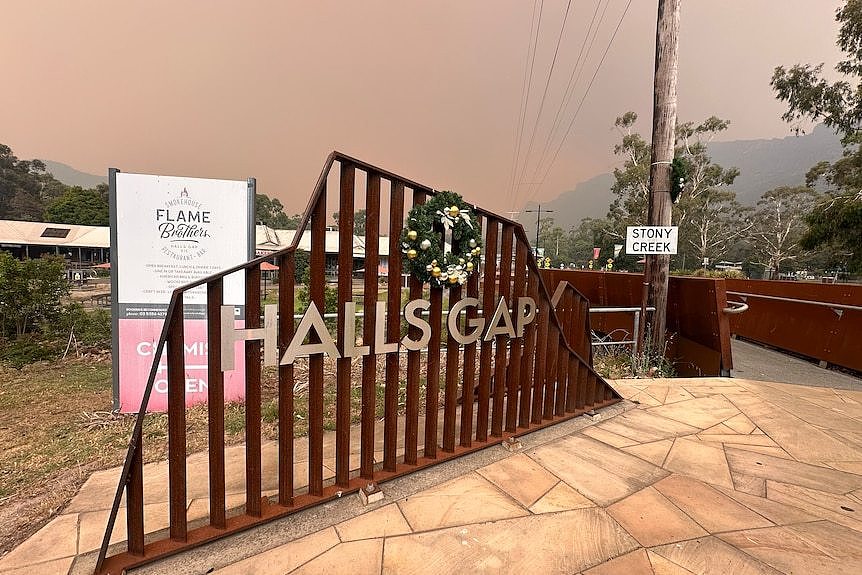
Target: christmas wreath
column 442, row 242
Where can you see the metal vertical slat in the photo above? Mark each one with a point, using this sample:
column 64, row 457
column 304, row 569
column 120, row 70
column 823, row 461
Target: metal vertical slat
column 393, row 327
column 414, row 359
column 488, row 288
column 562, row 376
column 469, row 381
column 582, row 324
column 527, row 359
column 572, row 384
column 135, row 501
column 541, row 350
column 215, row 404
column 369, row 306
column 177, row 425
column 345, row 295
column 589, row 378
column 552, row 346
column 453, row 351
column 286, row 281
column 432, row 387
column 572, row 367
column 315, row 362
column 252, row 395
column 581, row 387
column 513, row 375
column 598, row 390
column 500, row 368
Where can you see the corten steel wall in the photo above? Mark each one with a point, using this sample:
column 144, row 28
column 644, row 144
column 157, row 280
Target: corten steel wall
column 695, row 315
column 522, row 384
column 820, row 321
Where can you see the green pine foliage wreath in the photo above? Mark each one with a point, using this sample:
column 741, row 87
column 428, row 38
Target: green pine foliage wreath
column 422, row 241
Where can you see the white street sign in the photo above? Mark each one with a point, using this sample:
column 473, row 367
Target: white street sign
column 653, row 240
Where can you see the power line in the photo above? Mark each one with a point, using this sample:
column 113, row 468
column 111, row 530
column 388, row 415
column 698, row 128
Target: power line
column 545, row 92
column 580, row 64
column 583, row 98
column 525, row 91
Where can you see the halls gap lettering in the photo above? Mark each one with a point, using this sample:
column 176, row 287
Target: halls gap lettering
column 312, row 328
column 182, row 222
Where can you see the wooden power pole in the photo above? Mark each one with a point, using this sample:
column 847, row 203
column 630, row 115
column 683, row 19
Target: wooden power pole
column 663, row 139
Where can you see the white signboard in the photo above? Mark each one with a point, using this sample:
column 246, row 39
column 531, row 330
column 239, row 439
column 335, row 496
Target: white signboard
column 651, row 240
column 167, row 232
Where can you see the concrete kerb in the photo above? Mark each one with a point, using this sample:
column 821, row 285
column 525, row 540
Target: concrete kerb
column 224, row 552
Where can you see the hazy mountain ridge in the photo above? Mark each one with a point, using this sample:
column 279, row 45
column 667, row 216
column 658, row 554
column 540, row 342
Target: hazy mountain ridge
column 763, row 165
column 72, row 177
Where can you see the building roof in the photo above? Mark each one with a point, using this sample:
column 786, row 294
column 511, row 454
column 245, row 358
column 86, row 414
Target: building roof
column 267, row 240
column 50, row 234
column 270, row 240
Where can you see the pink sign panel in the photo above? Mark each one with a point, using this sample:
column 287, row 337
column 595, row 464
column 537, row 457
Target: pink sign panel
column 138, row 341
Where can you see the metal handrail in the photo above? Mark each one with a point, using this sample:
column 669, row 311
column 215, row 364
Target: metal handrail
column 735, row 307
column 794, row 300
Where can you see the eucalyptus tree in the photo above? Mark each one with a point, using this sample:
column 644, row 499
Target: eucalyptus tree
column 836, row 221
column 778, row 224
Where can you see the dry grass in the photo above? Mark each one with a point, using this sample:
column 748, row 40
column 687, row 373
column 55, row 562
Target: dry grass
column 57, row 427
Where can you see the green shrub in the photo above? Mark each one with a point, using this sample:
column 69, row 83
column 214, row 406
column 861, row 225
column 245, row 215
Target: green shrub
column 92, row 328
column 27, row 349
column 726, row 274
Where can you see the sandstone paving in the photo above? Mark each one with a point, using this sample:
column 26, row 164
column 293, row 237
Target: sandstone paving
column 700, row 460
column 749, row 484
column 560, row 497
column 702, row 476
column 662, row 566
column 655, row 451
column 609, row 437
column 48, row 544
column 634, row 563
column 540, row 544
column 653, row 520
column 710, row 508
column 46, row 568
column 819, row 547
column 702, row 412
column 777, row 469
column 854, row 467
column 285, row 558
column 384, row 522
column 469, row 499
column 521, row 477
column 765, row 449
column 641, row 426
column 600, row 472
column 739, row 424
column 840, row 509
column 363, row 556
column 712, row 556
column 776, row 512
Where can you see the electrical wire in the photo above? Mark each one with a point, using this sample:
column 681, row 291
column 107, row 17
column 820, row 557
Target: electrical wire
column 583, row 98
column 574, row 78
column 545, row 92
column 526, row 88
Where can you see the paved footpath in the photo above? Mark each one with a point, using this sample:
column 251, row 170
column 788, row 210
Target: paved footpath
column 708, row 475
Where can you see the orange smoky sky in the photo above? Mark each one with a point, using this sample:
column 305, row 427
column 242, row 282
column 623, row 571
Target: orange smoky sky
column 431, row 90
